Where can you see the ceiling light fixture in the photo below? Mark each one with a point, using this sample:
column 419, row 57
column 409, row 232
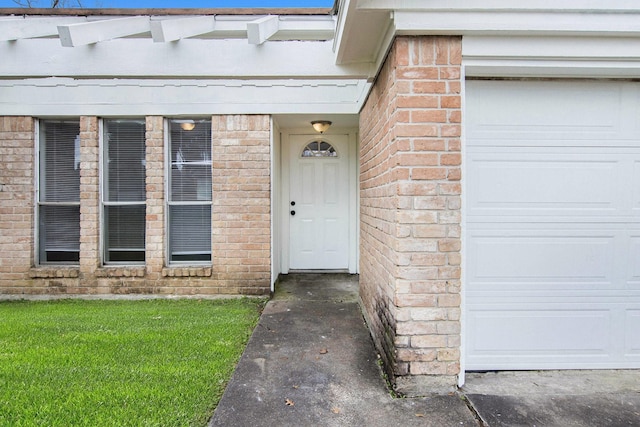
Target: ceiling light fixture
column 188, row 125
column 321, row 125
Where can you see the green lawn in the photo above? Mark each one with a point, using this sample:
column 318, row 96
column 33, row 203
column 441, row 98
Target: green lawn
column 119, row 363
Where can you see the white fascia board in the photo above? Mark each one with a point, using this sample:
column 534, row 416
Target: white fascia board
column 24, row 28
column 593, row 48
column 551, row 69
column 73, row 35
column 580, row 57
column 51, row 97
column 260, row 30
column 203, row 58
column 515, row 23
column 168, row 30
column 501, row 5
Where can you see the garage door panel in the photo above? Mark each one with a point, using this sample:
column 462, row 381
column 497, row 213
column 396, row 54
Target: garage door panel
column 635, row 180
column 544, row 185
column 541, row 332
column 552, row 225
column 562, row 335
column 511, row 112
column 552, row 259
column 633, row 263
column 632, row 347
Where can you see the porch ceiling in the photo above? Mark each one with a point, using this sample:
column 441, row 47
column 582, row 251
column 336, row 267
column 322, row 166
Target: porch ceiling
column 303, row 121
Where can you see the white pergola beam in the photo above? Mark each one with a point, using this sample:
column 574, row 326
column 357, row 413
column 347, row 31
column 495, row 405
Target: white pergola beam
column 21, row 28
column 93, row 32
column 262, row 29
column 168, row 30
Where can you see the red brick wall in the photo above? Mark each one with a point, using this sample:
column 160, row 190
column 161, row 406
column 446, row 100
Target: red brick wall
column 410, row 212
column 241, row 237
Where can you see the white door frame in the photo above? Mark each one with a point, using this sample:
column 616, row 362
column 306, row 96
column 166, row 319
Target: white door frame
column 354, row 195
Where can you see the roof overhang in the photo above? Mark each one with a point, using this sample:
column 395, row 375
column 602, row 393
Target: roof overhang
column 334, row 54
column 366, row 28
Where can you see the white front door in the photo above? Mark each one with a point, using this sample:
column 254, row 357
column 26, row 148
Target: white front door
column 319, row 202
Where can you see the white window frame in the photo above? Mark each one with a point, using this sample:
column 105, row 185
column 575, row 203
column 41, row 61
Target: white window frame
column 103, row 195
column 167, row 195
column 38, row 255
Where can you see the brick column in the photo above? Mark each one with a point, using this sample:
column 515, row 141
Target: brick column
column 411, row 127
column 241, row 228
column 89, row 201
column 155, row 230
column 16, row 202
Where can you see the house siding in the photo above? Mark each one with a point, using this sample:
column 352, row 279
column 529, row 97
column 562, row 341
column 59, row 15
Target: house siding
column 241, row 223
column 411, row 211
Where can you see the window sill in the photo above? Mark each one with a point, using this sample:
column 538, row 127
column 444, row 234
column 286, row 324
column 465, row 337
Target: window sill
column 54, row 272
column 186, row 272
column 121, row 272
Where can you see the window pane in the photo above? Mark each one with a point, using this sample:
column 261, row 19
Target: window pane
column 319, row 149
column 59, row 234
column 190, row 233
column 125, row 158
column 190, row 161
column 125, row 233
column 59, row 161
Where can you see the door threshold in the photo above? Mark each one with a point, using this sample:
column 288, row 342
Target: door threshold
column 321, row 271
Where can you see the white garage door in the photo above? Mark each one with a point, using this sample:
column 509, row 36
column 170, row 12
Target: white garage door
column 552, row 212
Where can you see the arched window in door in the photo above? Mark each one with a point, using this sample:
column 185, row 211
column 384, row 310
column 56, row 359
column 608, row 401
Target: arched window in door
column 319, row 149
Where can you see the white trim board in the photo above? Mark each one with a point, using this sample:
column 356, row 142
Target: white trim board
column 582, row 57
column 141, row 97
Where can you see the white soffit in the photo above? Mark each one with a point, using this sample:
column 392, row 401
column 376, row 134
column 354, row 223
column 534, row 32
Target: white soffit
column 366, row 27
column 361, row 34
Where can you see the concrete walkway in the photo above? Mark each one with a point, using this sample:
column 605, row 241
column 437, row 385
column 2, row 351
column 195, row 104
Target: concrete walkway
column 311, row 362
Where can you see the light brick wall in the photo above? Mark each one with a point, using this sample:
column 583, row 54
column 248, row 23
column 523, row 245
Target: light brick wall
column 241, row 236
column 410, row 220
column 16, row 202
column 242, row 203
column 89, row 202
column 154, row 234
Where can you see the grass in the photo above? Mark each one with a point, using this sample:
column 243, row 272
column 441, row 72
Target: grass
column 119, row 363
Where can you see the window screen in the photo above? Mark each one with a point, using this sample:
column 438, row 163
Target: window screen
column 189, row 191
column 59, row 192
column 124, row 191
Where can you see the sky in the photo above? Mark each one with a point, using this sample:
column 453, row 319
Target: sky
column 176, row 3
